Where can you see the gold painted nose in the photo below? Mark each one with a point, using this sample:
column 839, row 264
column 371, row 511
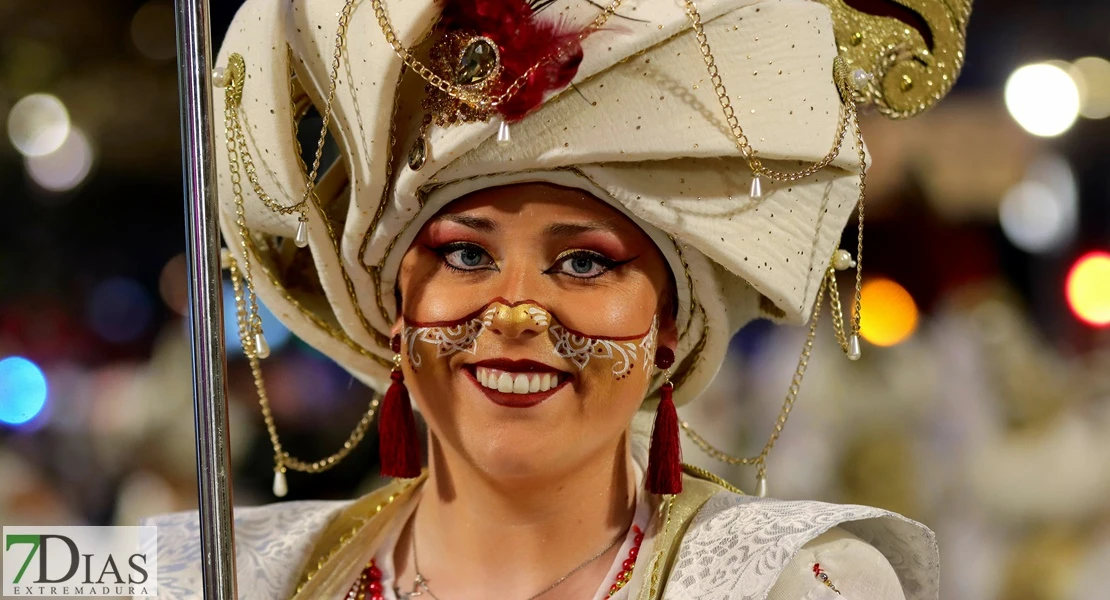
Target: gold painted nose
column 513, row 321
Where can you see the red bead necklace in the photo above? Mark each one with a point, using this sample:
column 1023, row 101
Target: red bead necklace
column 629, row 563
column 368, row 586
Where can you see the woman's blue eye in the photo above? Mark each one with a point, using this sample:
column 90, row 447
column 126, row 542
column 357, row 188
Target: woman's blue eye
column 466, row 257
column 584, row 265
column 470, row 257
column 581, row 264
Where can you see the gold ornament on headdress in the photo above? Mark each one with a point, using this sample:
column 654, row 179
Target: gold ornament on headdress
column 894, row 66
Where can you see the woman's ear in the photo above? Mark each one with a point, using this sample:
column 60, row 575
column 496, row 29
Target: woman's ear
column 398, row 325
column 667, row 337
column 668, row 332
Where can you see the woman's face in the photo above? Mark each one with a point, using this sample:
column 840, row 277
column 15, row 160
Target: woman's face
column 530, row 318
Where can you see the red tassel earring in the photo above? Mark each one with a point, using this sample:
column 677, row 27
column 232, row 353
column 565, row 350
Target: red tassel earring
column 397, row 438
column 664, row 472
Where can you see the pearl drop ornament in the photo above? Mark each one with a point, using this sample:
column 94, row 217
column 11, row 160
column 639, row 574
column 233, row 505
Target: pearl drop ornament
column 761, row 486
column 503, row 136
column 842, row 260
column 301, row 239
column 219, row 77
column 757, row 188
column 281, row 487
column 853, row 347
column 261, row 348
column 860, row 78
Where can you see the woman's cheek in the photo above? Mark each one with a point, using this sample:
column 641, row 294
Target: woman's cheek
column 615, row 312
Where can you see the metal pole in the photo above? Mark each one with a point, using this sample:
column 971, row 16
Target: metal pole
column 194, row 60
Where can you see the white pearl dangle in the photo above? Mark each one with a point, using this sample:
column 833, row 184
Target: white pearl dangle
column 756, row 192
column 301, row 239
column 281, row 487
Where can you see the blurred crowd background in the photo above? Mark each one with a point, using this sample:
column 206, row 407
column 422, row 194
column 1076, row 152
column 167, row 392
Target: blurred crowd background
column 981, row 405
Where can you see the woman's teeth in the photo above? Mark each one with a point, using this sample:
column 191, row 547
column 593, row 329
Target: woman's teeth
column 516, row 383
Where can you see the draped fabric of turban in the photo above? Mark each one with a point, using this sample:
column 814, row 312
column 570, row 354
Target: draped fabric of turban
column 641, row 129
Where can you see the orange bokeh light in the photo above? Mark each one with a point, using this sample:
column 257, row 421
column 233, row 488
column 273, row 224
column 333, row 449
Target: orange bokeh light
column 1088, row 288
column 888, row 314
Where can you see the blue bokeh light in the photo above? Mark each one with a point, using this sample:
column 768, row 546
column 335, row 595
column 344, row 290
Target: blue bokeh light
column 277, row 335
column 120, row 310
column 22, row 390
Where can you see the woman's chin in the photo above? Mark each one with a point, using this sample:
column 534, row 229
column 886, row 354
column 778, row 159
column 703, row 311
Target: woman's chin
column 517, row 455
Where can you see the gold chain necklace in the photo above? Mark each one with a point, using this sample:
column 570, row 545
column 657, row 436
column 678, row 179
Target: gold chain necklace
column 421, row 581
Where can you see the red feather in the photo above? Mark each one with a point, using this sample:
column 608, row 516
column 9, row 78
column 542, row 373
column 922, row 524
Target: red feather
column 523, row 41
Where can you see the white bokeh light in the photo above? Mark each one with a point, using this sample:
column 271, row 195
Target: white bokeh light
column 66, row 167
column 38, row 124
column 1040, row 214
column 1092, row 75
column 1043, row 99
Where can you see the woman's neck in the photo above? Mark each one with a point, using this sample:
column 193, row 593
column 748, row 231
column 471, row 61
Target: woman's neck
column 476, row 535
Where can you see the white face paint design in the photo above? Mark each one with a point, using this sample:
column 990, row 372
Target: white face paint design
column 624, row 353
column 580, row 349
column 448, row 339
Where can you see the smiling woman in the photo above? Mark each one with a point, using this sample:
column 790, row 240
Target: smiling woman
column 562, row 286
column 546, row 273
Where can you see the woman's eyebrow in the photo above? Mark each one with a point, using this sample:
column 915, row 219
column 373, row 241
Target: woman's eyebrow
column 571, row 229
column 477, row 223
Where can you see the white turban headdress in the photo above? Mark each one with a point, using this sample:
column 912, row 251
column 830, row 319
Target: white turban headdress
column 643, row 132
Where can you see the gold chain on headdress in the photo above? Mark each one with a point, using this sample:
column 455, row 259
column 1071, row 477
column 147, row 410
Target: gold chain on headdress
column 828, row 282
column 283, row 459
column 849, row 342
column 251, row 335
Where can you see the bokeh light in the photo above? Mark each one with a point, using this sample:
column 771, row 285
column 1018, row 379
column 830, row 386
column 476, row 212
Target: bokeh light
column 1040, row 213
column 173, row 284
column 38, row 124
column 1088, row 288
column 119, row 310
column 888, row 314
column 277, row 335
column 1043, row 99
column 152, row 30
column 64, row 168
column 22, row 390
column 1092, row 76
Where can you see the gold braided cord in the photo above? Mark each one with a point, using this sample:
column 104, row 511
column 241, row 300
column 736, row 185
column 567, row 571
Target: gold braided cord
column 473, row 98
column 760, row 460
column 250, row 323
column 667, row 509
column 856, row 317
column 346, row 538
